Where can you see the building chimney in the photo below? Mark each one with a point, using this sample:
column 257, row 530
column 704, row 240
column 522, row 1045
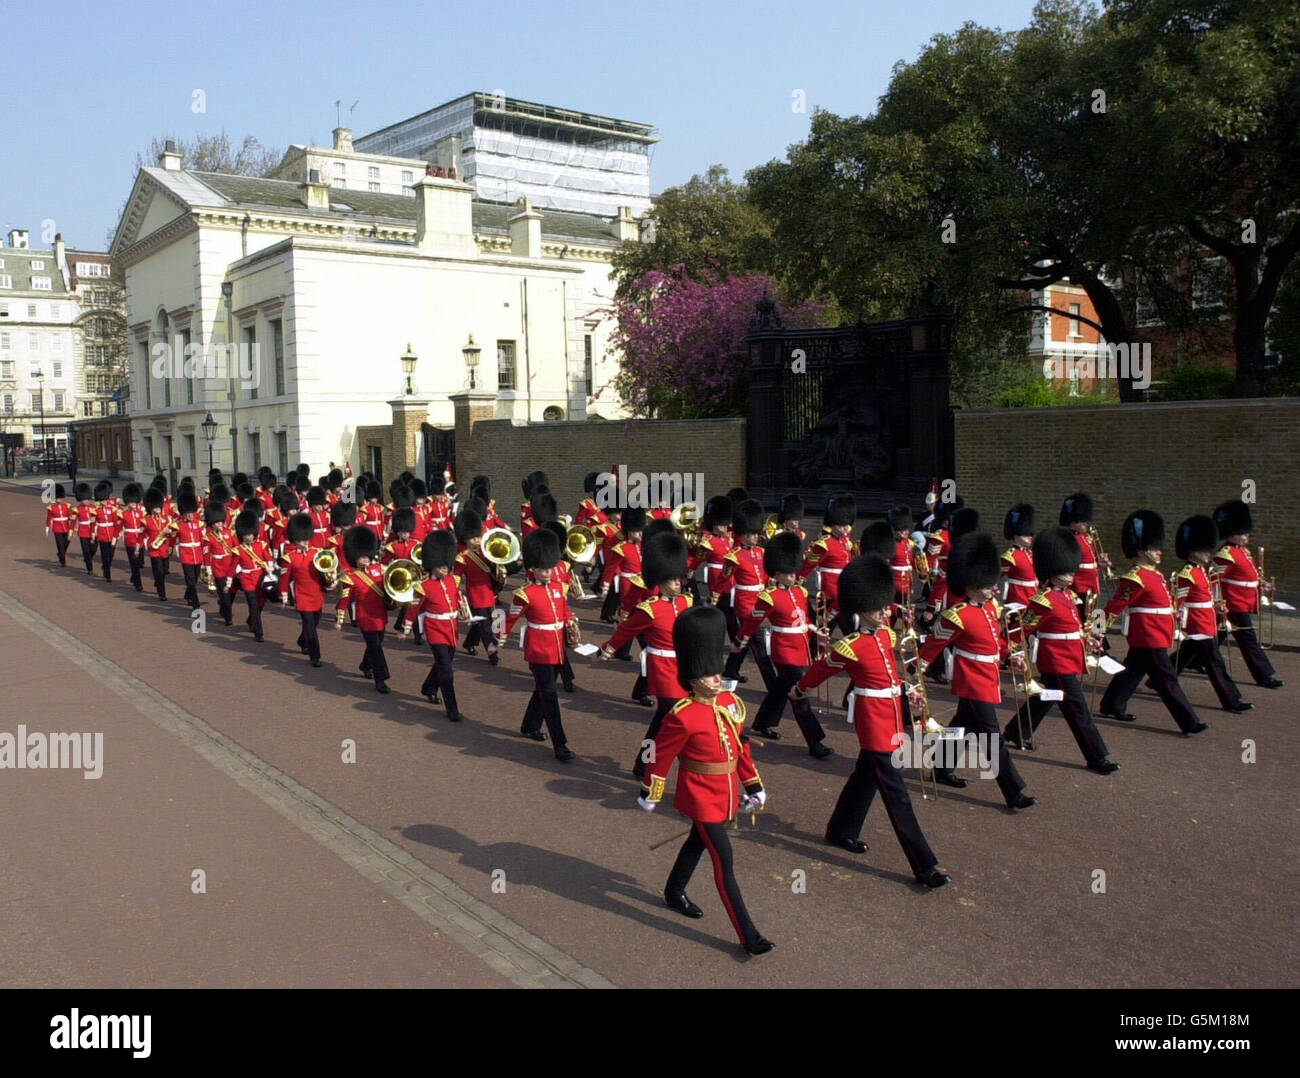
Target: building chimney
column 343, row 138
column 315, row 195
column 170, row 158
column 526, row 230
column 444, row 222
column 61, row 257
column 626, row 227
column 18, row 238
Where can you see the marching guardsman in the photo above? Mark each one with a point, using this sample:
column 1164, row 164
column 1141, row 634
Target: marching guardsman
column 305, row 583
column 634, row 592
column 530, row 483
column 938, row 542
column 1195, row 542
column 1241, row 586
column 253, row 560
column 401, row 544
column 972, row 629
column 1019, row 582
column 623, row 558
column 1143, row 598
column 717, row 775
column 789, row 514
column 108, row 523
column 266, row 488
column 343, row 515
column 865, row 655
column 319, row 511
column 589, row 513
column 275, row 522
column 440, row 604
column 361, row 593
column 84, row 514
column 1076, row 514
column 333, row 485
column 371, row 511
column 610, row 534
column 830, row 553
column 234, row 503
column 1058, row 642
column 158, row 532
column 562, row 577
column 743, row 566
column 301, row 487
column 219, row 556
column 482, row 582
column 133, row 534
column 58, row 522
column 715, row 545
column 900, row 519
column 545, row 612
column 782, row 607
column 189, row 543
column 663, row 567
column 423, row 511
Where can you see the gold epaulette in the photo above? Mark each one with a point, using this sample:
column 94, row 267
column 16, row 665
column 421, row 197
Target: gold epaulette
column 1134, row 574
column 521, row 594
column 689, row 601
column 997, row 609
column 1188, row 571
column 635, row 578
column 893, row 638
column 1225, row 552
column 646, row 606
column 764, row 596
column 683, row 702
column 951, row 614
column 1042, row 599
column 731, row 556
column 843, row 647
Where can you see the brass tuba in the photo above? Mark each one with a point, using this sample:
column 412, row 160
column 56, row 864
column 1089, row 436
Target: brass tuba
column 400, row 578
column 501, row 546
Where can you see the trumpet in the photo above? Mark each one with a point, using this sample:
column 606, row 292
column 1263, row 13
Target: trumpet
column 400, row 577
column 1268, row 627
column 580, row 545
column 326, row 563
column 1095, row 539
column 913, row 666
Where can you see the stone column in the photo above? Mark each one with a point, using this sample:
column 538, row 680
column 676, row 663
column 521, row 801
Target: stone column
column 409, row 413
column 472, row 406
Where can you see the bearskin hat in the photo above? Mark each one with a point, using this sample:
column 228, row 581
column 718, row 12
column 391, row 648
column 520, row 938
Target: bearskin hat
column 559, row 530
column 301, row 483
column 973, row 563
column 657, row 526
column 483, row 483
column 1018, row 521
column 159, row 482
column 479, row 506
column 255, row 504
column 245, row 491
column 634, row 518
column 402, row 497
column 866, row 585
column 303, row 469
column 343, row 514
column 1233, row 518
column 541, row 549
column 543, row 506
column 1055, row 553
column 438, row 550
column 1143, row 530
column 900, row 518
column 700, row 640
column 246, row 526
column 737, row 495
column 403, row 520
column 433, row 486
column 334, row 479
column 589, row 482
column 533, row 480
column 1195, row 534
column 717, row 512
column 841, row 509
column 878, row 538
column 154, row 499
column 285, row 500
column 789, row 508
column 783, row 553
column 103, row 489
column 316, row 496
column 964, row 521
column 220, row 492
column 747, row 517
column 214, row 513
column 359, row 542
column 467, row 525
column 1076, row 509
column 943, row 511
column 186, row 501
column 373, row 490
column 419, row 489
column 132, row 493
column 84, row 492
column 300, row 528
column 663, row 557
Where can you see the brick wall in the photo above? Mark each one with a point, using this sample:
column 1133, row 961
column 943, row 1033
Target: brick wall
column 567, row 451
column 1178, row 458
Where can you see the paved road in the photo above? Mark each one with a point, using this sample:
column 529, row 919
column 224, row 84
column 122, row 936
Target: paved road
column 466, row 856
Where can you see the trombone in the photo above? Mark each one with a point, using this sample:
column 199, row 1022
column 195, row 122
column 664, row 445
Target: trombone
column 1223, row 625
column 1267, row 627
column 1096, row 670
column 912, row 665
column 1024, row 684
column 1095, row 539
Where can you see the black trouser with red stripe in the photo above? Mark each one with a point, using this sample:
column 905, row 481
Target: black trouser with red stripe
column 61, row 547
column 160, row 568
column 374, row 663
column 713, row 837
column 757, row 647
column 88, row 552
column 1073, row 707
column 773, row 706
column 106, row 559
column 1153, row 663
column 256, row 599
column 876, row 771
column 663, row 706
column 481, row 630
column 441, row 678
column 1243, row 634
column 135, row 556
column 609, row 607
column 309, row 638
column 544, row 704
column 1205, row 654
column 982, row 716
column 191, row 574
column 225, row 597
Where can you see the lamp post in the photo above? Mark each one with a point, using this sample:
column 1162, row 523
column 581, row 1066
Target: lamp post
column 228, row 292
column 210, row 433
column 471, row 353
column 409, row 360
column 45, row 445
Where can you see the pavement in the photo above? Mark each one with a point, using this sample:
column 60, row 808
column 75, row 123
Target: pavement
column 464, row 856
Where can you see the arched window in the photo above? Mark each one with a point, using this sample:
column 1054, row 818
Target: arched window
column 553, row 413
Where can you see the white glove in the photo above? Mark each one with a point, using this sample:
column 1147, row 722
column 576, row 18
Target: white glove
column 649, row 806
column 753, row 802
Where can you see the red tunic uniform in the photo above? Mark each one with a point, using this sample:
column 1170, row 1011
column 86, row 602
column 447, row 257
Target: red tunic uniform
column 1195, row 603
column 371, row 514
column 526, row 522
column 827, row 557
column 436, row 606
column 302, row 580
column 156, row 525
column 1051, row 623
column 876, row 698
column 251, row 560
column 654, row 618
column 320, row 527
column 1019, row 581
column 744, row 567
column 85, row 514
column 58, row 518
column 423, row 521
column 590, row 514
column 398, row 548
column 133, row 526
column 715, row 549
column 974, row 633
column 189, row 541
column 901, row 566
column 1086, row 579
column 108, row 522
column 362, row 593
column 479, row 576
column 715, row 762
column 219, row 549
column 1143, row 598
column 1238, row 579
column 545, row 612
column 785, row 612
column 609, row 561
column 937, row 548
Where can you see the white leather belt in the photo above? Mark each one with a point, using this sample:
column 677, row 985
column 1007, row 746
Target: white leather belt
column 1088, row 565
column 797, row 629
column 1198, row 606
column 663, row 653
column 901, row 568
column 717, row 566
column 749, row 587
column 189, row 544
column 550, row 625
column 878, row 694
column 976, row 657
column 1061, row 636
column 1149, row 610
column 1241, row 583
column 439, row 617
column 1022, row 583
column 833, row 572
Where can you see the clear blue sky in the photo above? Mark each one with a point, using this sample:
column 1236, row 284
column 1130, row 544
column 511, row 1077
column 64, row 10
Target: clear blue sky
column 88, row 84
